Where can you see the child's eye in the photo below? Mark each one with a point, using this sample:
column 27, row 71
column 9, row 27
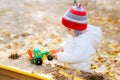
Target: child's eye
column 68, row 29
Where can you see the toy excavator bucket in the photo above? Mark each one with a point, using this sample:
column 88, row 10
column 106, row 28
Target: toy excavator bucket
column 52, row 51
column 30, row 53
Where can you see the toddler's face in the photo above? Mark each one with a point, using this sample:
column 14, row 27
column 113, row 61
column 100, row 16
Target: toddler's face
column 71, row 31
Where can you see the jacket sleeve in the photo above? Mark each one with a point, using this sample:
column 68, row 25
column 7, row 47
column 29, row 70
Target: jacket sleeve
column 77, row 55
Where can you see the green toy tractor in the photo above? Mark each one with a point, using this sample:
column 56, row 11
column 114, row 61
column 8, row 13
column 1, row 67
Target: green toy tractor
column 37, row 56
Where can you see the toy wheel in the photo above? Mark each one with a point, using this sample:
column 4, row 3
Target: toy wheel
column 38, row 61
column 49, row 57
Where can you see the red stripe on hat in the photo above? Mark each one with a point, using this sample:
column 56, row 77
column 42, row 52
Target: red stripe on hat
column 73, row 25
column 78, row 12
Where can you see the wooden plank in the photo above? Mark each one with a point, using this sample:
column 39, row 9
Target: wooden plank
column 20, row 74
column 9, row 75
column 4, row 77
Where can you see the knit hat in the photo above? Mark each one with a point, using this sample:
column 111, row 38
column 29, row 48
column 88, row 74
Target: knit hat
column 76, row 18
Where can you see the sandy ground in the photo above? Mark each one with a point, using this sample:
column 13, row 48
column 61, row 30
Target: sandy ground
column 37, row 24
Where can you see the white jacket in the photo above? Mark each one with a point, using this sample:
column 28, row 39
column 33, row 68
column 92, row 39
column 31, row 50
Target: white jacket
column 78, row 51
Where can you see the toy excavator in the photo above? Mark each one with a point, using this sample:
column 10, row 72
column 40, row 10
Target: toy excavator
column 37, row 56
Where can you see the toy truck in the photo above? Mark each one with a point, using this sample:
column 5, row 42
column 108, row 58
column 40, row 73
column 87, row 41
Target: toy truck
column 37, row 56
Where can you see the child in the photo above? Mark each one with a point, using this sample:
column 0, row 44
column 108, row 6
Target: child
column 78, row 50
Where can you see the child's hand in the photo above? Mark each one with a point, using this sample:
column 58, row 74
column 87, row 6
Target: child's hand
column 60, row 49
column 54, row 56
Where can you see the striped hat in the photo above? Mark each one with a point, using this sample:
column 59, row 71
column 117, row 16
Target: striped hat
column 76, row 18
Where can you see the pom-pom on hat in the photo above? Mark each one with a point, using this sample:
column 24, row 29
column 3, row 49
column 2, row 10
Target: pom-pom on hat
column 76, row 18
